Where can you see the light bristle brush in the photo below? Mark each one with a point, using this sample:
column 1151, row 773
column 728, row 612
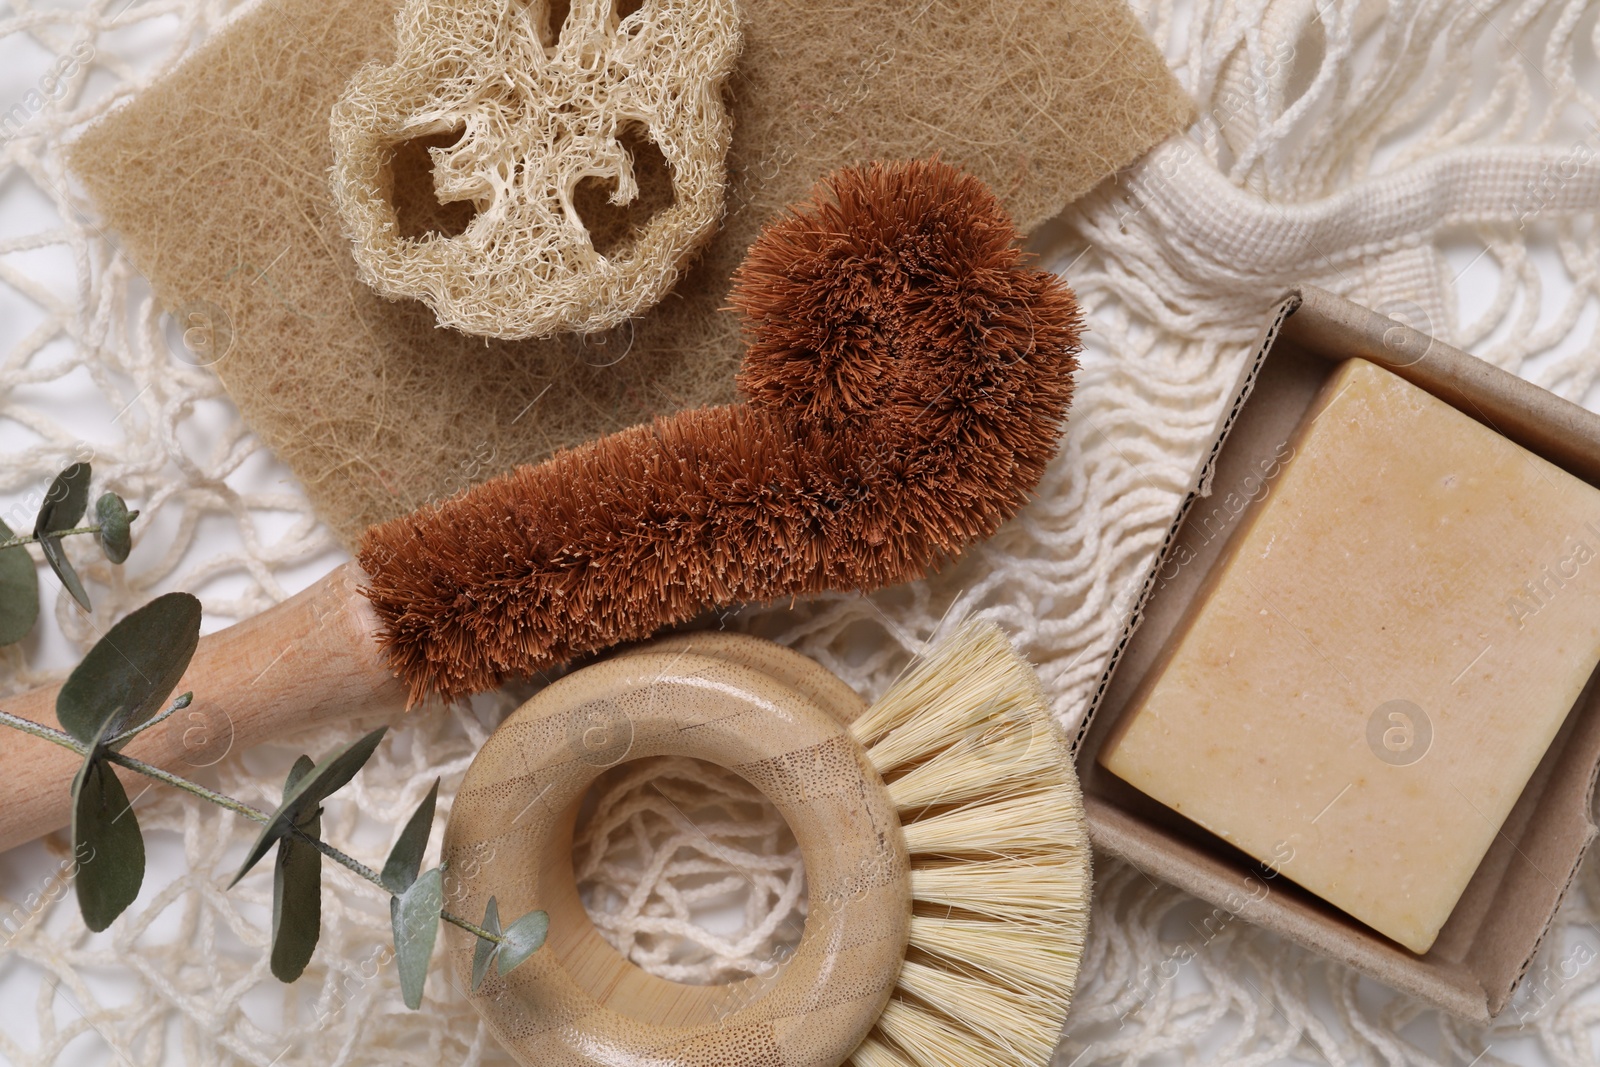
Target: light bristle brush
column 943, row 834
column 907, row 378
column 1000, row 859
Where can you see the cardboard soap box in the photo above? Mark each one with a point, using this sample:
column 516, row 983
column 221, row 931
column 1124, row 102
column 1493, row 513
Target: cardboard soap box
column 1486, row 946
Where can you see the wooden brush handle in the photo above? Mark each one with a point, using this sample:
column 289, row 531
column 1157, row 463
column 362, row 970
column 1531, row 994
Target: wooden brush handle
column 312, row 658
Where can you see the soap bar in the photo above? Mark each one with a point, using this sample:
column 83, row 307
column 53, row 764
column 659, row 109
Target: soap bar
column 1381, row 656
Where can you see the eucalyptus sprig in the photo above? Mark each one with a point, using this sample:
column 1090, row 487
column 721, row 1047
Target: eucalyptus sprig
column 64, row 505
column 113, row 696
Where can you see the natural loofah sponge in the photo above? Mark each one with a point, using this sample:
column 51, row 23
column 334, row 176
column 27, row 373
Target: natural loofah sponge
column 540, row 116
column 907, row 378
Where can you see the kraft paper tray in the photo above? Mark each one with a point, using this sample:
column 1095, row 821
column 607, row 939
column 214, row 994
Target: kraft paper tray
column 1486, row 946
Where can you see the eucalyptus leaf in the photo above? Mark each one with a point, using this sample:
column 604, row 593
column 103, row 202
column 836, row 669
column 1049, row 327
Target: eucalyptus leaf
column 56, row 556
column 415, row 915
column 405, row 859
column 64, row 504
column 485, row 950
column 310, row 790
column 296, row 890
column 19, row 590
column 522, row 939
column 130, row 671
column 303, row 766
column 106, row 838
column 112, row 516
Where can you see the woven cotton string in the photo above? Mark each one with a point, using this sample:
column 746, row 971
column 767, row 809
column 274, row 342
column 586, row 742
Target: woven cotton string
column 1397, row 154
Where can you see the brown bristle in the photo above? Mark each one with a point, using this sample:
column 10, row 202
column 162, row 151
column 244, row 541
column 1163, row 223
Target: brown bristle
column 907, row 378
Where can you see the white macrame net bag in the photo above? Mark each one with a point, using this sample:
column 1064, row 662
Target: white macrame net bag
column 1400, row 154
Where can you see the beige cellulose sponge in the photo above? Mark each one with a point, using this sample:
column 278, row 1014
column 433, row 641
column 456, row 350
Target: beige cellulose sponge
column 541, row 116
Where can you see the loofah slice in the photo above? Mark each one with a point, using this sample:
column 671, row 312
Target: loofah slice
column 538, row 117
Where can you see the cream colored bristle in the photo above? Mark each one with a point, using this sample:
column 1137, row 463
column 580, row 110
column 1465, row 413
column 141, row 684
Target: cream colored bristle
column 994, row 825
column 1036, row 822
column 1015, row 747
column 930, row 1041
column 933, row 1040
column 1015, row 890
column 1027, row 1027
column 1011, row 953
column 944, row 697
column 874, row 1053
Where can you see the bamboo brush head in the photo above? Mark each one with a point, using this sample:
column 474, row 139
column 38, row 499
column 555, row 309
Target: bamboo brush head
column 908, row 377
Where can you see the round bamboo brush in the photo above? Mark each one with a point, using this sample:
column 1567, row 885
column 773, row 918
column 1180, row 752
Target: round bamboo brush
column 907, row 376
column 942, row 831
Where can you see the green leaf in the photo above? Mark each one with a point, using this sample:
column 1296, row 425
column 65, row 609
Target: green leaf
column 485, row 950
column 63, row 506
column 309, row 790
column 56, row 556
column 302, row 766
column 19, row 591
column 522, row 939
column 405, row 859
column 64, row 501
column 105, row 830
column 296, row 890
column 415, row 915
column 131, row 670
column 113, row 518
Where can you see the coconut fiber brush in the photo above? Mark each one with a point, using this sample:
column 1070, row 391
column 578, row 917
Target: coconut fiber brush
column 906, row 380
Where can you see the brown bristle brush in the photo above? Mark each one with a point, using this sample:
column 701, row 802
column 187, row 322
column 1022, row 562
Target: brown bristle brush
column 907, row 377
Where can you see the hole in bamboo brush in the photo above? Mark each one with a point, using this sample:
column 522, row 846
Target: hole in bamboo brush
column 729, row 902
column 417, row 211
column 613, row 228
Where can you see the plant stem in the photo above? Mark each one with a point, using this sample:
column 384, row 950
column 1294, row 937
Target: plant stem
column 28, row 539
column 28, row 726
column 65, row 740
column 219, row 799
column 128, row 735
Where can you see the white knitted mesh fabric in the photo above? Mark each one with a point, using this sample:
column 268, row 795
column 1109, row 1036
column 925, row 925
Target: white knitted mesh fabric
column 1401, row 155
column 671, row 846
column 533, row 110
